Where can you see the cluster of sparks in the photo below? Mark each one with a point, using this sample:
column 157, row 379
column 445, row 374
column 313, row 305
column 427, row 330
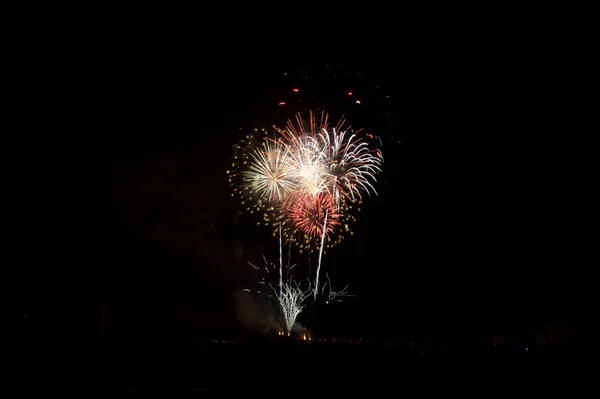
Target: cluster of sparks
column 306, row 180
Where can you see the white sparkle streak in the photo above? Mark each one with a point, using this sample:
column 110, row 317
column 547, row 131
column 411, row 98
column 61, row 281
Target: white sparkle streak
column 335, row 294
column 280, row 263
column 320, row 256
column 288, row 262
column 291, row 303
column 289, row 295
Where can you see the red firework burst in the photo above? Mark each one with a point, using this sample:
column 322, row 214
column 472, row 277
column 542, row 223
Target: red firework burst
column 308, row 214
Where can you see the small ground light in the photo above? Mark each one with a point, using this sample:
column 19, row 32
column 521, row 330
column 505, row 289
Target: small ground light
column 295, row 90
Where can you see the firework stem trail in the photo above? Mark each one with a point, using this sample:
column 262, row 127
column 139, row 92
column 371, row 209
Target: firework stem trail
column 309, row 267
column 289, row 277
column 280, row 264
column 320, row 256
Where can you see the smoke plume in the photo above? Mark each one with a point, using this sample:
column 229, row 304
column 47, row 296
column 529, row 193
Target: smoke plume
column 252, row 313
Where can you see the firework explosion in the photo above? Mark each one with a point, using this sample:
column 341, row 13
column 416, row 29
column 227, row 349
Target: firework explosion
column 307, row 171
column 308, row 212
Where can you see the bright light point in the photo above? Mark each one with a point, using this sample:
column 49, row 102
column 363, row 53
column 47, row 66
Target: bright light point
column 349, row 93
column 358, row 101
column 295, row 90
column 282, row 103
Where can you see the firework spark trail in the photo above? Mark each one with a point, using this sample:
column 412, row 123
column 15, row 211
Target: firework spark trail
column 280, row 263
column 309, row 267
column 320, row 255
column 335, row 294
column 288, row 262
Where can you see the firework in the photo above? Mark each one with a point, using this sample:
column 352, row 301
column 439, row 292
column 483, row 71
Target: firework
column 305, row 170
column 307, row 177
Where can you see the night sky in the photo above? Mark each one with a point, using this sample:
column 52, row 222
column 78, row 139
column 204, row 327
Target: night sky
column 117, row 185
